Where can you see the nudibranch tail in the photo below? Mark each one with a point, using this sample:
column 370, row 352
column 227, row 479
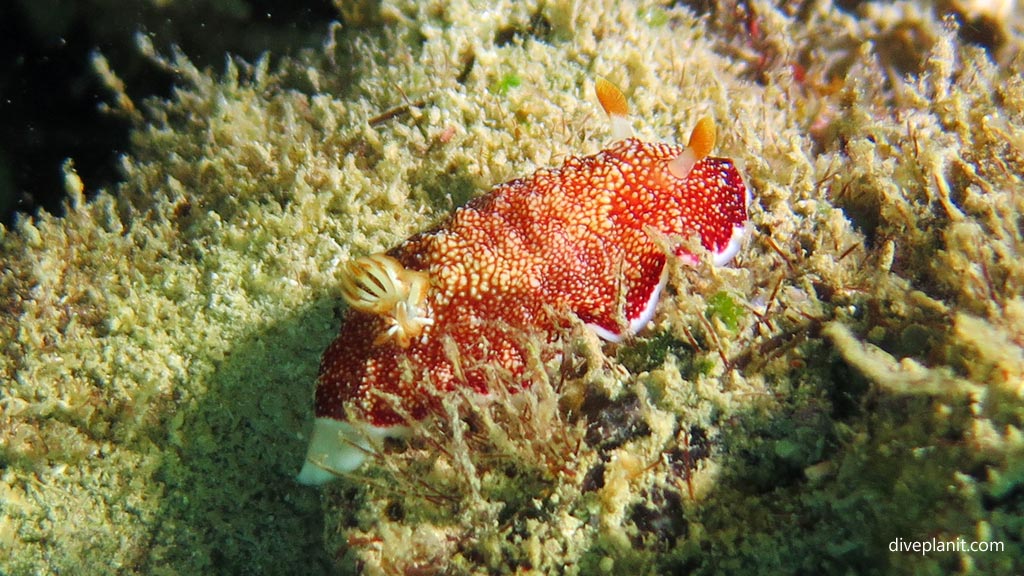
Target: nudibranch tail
column 337, row 447
column 613, row 101
column 379, row 284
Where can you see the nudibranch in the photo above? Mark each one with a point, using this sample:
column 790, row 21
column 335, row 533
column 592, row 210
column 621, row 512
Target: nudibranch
column 447, row 307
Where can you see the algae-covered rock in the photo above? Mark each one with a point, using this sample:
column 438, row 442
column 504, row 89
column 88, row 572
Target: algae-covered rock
column 852, row 384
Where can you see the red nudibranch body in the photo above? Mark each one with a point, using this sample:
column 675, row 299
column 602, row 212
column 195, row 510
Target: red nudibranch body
column 446, row 307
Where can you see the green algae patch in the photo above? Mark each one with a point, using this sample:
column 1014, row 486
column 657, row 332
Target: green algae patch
column 507, row 82
column 725, row 308
column 853, row 378
column 654, row 16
